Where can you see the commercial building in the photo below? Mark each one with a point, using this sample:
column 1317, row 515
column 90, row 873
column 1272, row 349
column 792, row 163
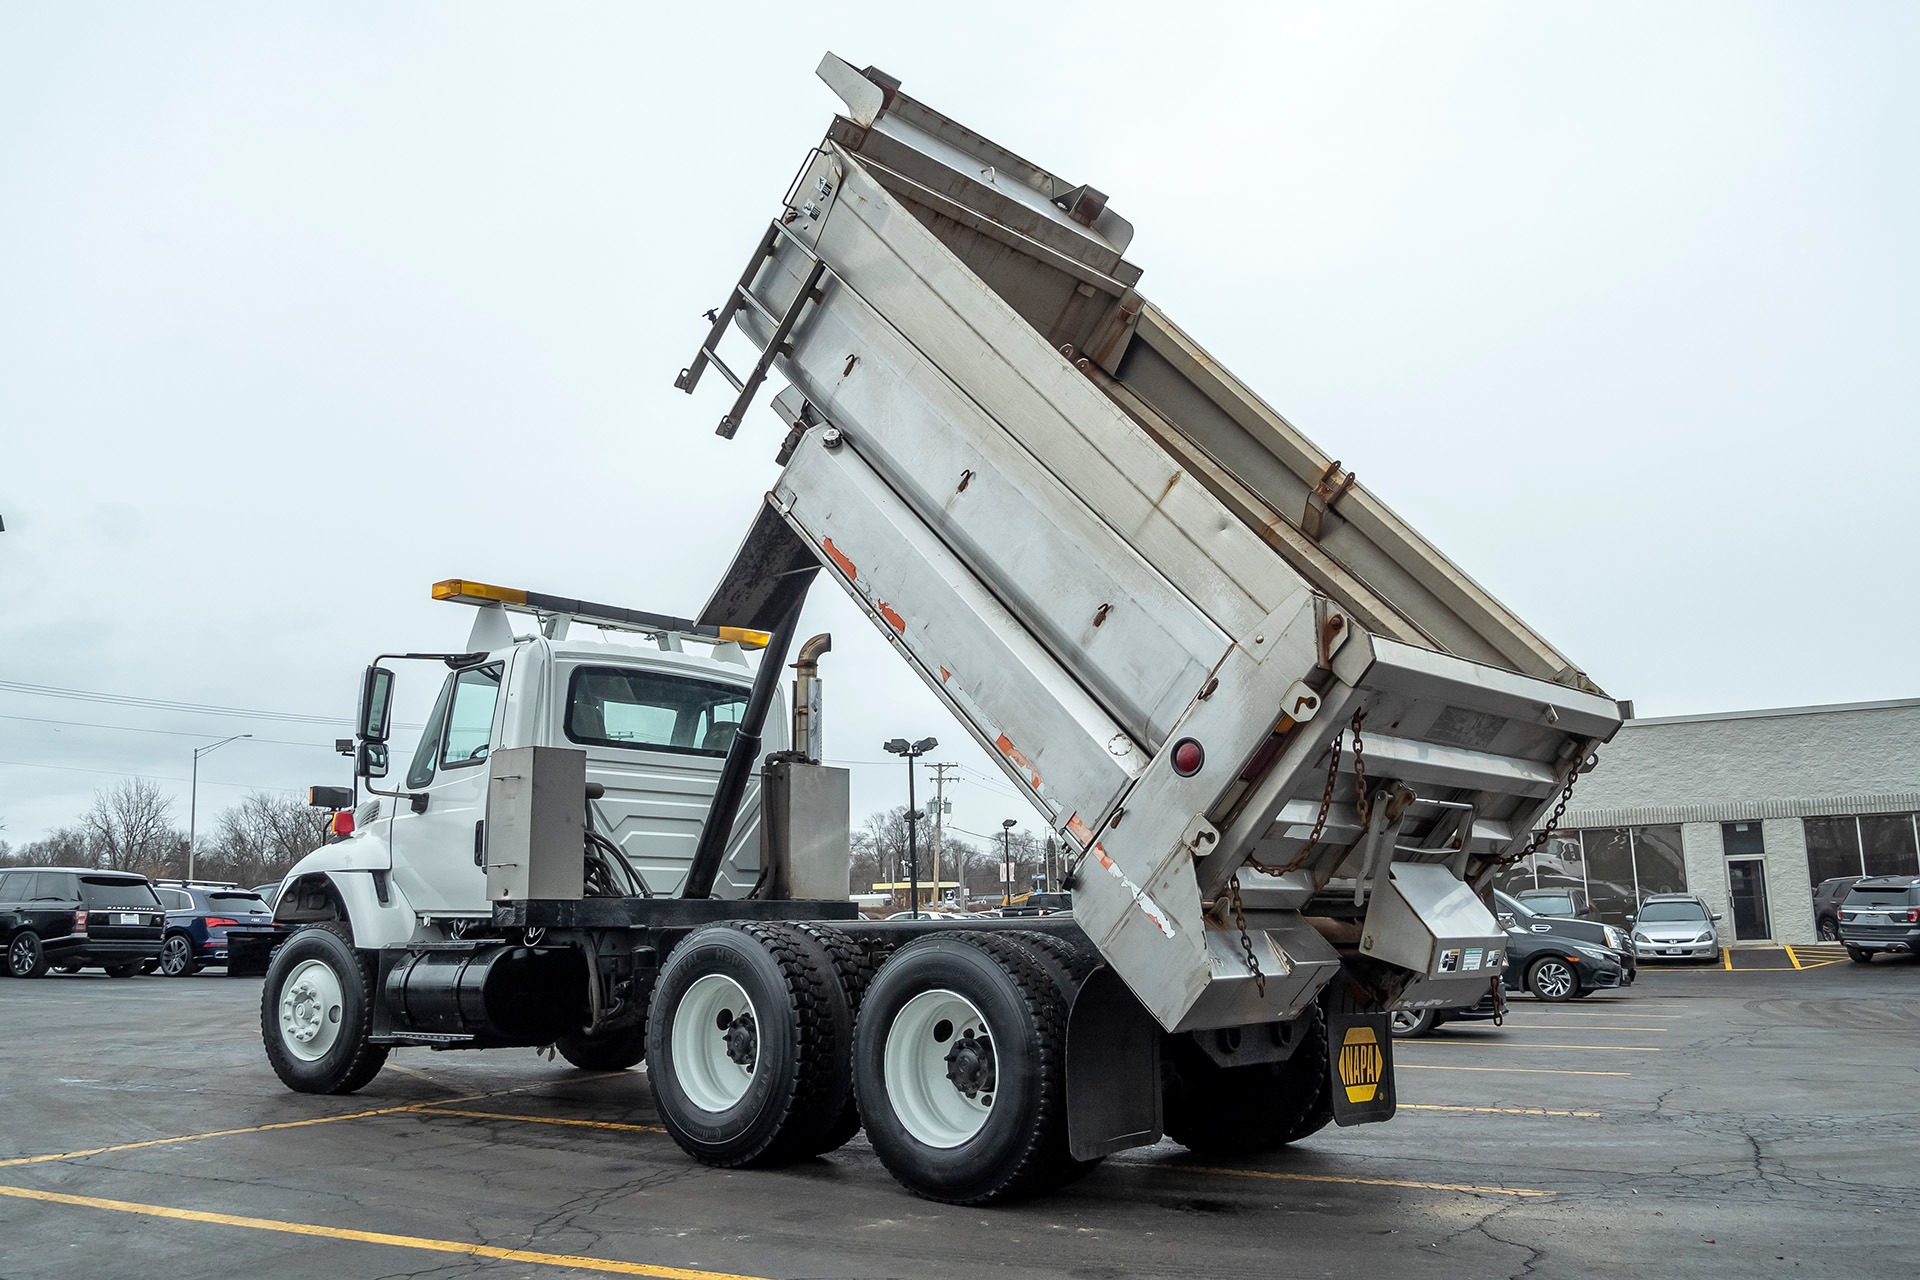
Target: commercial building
column 1747, row 809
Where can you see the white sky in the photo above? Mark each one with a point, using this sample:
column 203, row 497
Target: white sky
column 303, row 308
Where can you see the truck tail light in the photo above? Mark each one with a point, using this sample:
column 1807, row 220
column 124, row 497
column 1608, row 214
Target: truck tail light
column 79, row 922
column 342, row 823
column 221, row 922
column 1188, row 756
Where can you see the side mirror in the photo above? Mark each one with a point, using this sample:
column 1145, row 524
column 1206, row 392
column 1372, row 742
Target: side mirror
column 371, row 761
column 1630, row 920
column 1717, row 917
column 376, row 706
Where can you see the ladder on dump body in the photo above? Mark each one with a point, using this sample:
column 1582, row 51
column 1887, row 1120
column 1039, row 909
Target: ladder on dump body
column 782, row 327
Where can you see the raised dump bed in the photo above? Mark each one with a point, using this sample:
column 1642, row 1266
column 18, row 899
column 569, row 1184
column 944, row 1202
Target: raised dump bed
column 1188, row 634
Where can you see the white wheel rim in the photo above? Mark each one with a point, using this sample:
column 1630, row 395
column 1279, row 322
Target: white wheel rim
column 929, row 1030
column 313, row 1008
column 707, row 1035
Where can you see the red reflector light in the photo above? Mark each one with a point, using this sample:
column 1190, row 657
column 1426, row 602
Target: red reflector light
column 1913, row 915
column 221, row 922
column 343, row 823
column 79, row 922
column 1188, row 757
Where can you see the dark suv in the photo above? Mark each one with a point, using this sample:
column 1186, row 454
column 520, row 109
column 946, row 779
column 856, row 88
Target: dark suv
column 74, row 917
column 1827, row 897
column 198, row 917
column 1881, row 913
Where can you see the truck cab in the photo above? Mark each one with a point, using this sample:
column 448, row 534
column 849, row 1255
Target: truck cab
column 654, row 715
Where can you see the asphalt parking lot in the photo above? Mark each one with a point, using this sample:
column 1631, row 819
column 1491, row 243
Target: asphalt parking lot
column 1756, row 1120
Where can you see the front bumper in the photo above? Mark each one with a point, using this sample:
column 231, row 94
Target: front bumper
column 1644, row 951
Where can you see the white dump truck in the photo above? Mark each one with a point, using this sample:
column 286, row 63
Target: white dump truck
column 1285, row 742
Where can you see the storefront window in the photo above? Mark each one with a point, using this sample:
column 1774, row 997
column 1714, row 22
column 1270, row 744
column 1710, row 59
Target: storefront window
column 1833, row 847
column 1887, row 842
column 1659, row 866
column 1615, row 868
column 1880, row 844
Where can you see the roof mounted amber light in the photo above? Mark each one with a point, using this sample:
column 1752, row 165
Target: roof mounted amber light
column 465, row 591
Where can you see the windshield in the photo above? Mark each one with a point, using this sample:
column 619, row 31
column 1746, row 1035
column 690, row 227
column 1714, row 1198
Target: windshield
column 1672, row 913
column 102, row 891
column 624, row 708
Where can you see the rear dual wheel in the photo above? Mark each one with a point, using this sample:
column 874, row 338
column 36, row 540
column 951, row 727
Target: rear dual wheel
column 1234, row 1111
column 748, row 1044
column 960, row 1068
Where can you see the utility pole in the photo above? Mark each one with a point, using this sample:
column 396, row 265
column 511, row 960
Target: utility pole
column 939, row 818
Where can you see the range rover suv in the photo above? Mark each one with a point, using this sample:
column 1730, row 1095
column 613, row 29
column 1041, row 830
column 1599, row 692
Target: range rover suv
column 74, row 917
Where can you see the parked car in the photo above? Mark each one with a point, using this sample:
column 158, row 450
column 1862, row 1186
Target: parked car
column 269, row 892
column 1676, row 926
column 1561, row 959
column 1881, row 913
column 1410, row 1024
column 1827, row 897
column 198, row 917
column 1562, row 904
column 72, row 917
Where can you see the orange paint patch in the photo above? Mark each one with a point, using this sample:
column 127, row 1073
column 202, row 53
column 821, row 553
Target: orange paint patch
column 945, row 675
column 894, row 620
column 840, row 560
column 1012, row 753
column 1079, row 830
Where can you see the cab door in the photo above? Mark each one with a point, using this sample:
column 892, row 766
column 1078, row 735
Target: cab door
column 436, row 860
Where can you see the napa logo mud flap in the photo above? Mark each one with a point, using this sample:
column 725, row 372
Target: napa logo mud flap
column 1360, row 1058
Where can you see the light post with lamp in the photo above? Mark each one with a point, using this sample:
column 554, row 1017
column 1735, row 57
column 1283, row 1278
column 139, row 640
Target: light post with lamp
column 911, row 751
column 1006, row 861
column 193, row 795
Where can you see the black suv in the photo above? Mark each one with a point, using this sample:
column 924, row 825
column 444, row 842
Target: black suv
column 1881, row 913
column 74, row 917
column 1827, row 897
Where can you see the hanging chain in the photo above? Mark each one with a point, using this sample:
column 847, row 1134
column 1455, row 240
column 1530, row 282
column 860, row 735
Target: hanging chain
column 1320, row 820
column 1246, row 940
column 1362, row 806
column 1499, row 1003
column 1545, row 833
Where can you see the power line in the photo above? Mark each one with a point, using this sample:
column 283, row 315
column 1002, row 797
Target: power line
column 168, row 704
column 178, row 733
column 148, row 777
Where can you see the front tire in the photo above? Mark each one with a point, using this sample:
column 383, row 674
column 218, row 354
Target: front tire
column 609, row 1051
column 316, row 1013
column 26, row 958
column 748, row 1041
column 960, row 1068
column 176, row 957
column 1553, row 980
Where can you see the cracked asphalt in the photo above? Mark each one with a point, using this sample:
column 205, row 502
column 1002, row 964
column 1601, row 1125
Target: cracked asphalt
column 1704, row 1123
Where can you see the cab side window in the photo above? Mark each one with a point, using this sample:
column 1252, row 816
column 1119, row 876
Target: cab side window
column 420, row 772
column 476, row 692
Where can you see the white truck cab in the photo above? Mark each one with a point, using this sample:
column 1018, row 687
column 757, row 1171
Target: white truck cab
column 654, row 715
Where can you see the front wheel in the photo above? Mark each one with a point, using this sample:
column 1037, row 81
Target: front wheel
column 1411, row 1024
column 25, row 956
column 316, row 1013
column 176, row 957
column 1553, row 980
column 608, row 1051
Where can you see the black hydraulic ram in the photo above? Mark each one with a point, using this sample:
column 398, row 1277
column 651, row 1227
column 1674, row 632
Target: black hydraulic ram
column 742, row 755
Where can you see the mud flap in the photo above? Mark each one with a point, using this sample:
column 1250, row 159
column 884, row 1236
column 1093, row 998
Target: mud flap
column 1360, row 1059
column 1113, row 1070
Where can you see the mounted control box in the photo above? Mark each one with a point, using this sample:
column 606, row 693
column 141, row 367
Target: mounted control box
column 805, row 830
column 535, row 829
column 1426, row 920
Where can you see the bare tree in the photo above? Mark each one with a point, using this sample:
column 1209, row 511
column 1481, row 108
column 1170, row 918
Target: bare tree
column 129, row 828
column 259, row 838
column 66, row 847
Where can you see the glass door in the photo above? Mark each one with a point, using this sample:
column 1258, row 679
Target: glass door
column 1747, row 890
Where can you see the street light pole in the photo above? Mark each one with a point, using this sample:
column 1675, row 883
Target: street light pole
column 1006, row 862
column 193, row 795
column 911, row 751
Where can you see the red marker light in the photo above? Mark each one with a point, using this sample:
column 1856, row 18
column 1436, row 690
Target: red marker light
column 221, row 922
column 1188, row 756
column 79, row 922
column 343, row 823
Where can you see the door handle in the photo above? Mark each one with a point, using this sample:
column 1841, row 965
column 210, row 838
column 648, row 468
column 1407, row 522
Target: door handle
column 480, row 843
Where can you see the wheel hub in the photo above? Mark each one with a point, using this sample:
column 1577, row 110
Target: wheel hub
column 970, row 1065
column 743, row 1038
column 303, row 1014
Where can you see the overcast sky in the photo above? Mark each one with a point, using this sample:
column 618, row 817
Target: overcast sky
column 305, row 307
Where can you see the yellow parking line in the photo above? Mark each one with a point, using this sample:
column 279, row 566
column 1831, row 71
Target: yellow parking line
column 1361, row 1182
column 1495, row 1111
column 1510, row 1044
column 1521, row 1071
column 1726, row 957
column 577, row 1261
column 436, row 1110
column 1792, row 957
column 1573, row 1026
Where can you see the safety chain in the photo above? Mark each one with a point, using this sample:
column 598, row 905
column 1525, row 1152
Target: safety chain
column 1362, row 807
column 1499, row 1003
column 1246, row 940
column 1545, row 833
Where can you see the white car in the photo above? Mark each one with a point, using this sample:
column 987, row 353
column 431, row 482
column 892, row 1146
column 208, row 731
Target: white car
column 1676, row 926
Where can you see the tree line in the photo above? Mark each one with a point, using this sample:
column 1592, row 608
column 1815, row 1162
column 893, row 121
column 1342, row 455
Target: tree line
column 133, row 826
column 880, row 856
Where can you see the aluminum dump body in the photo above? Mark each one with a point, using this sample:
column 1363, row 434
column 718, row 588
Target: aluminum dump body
column 1175, row 621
